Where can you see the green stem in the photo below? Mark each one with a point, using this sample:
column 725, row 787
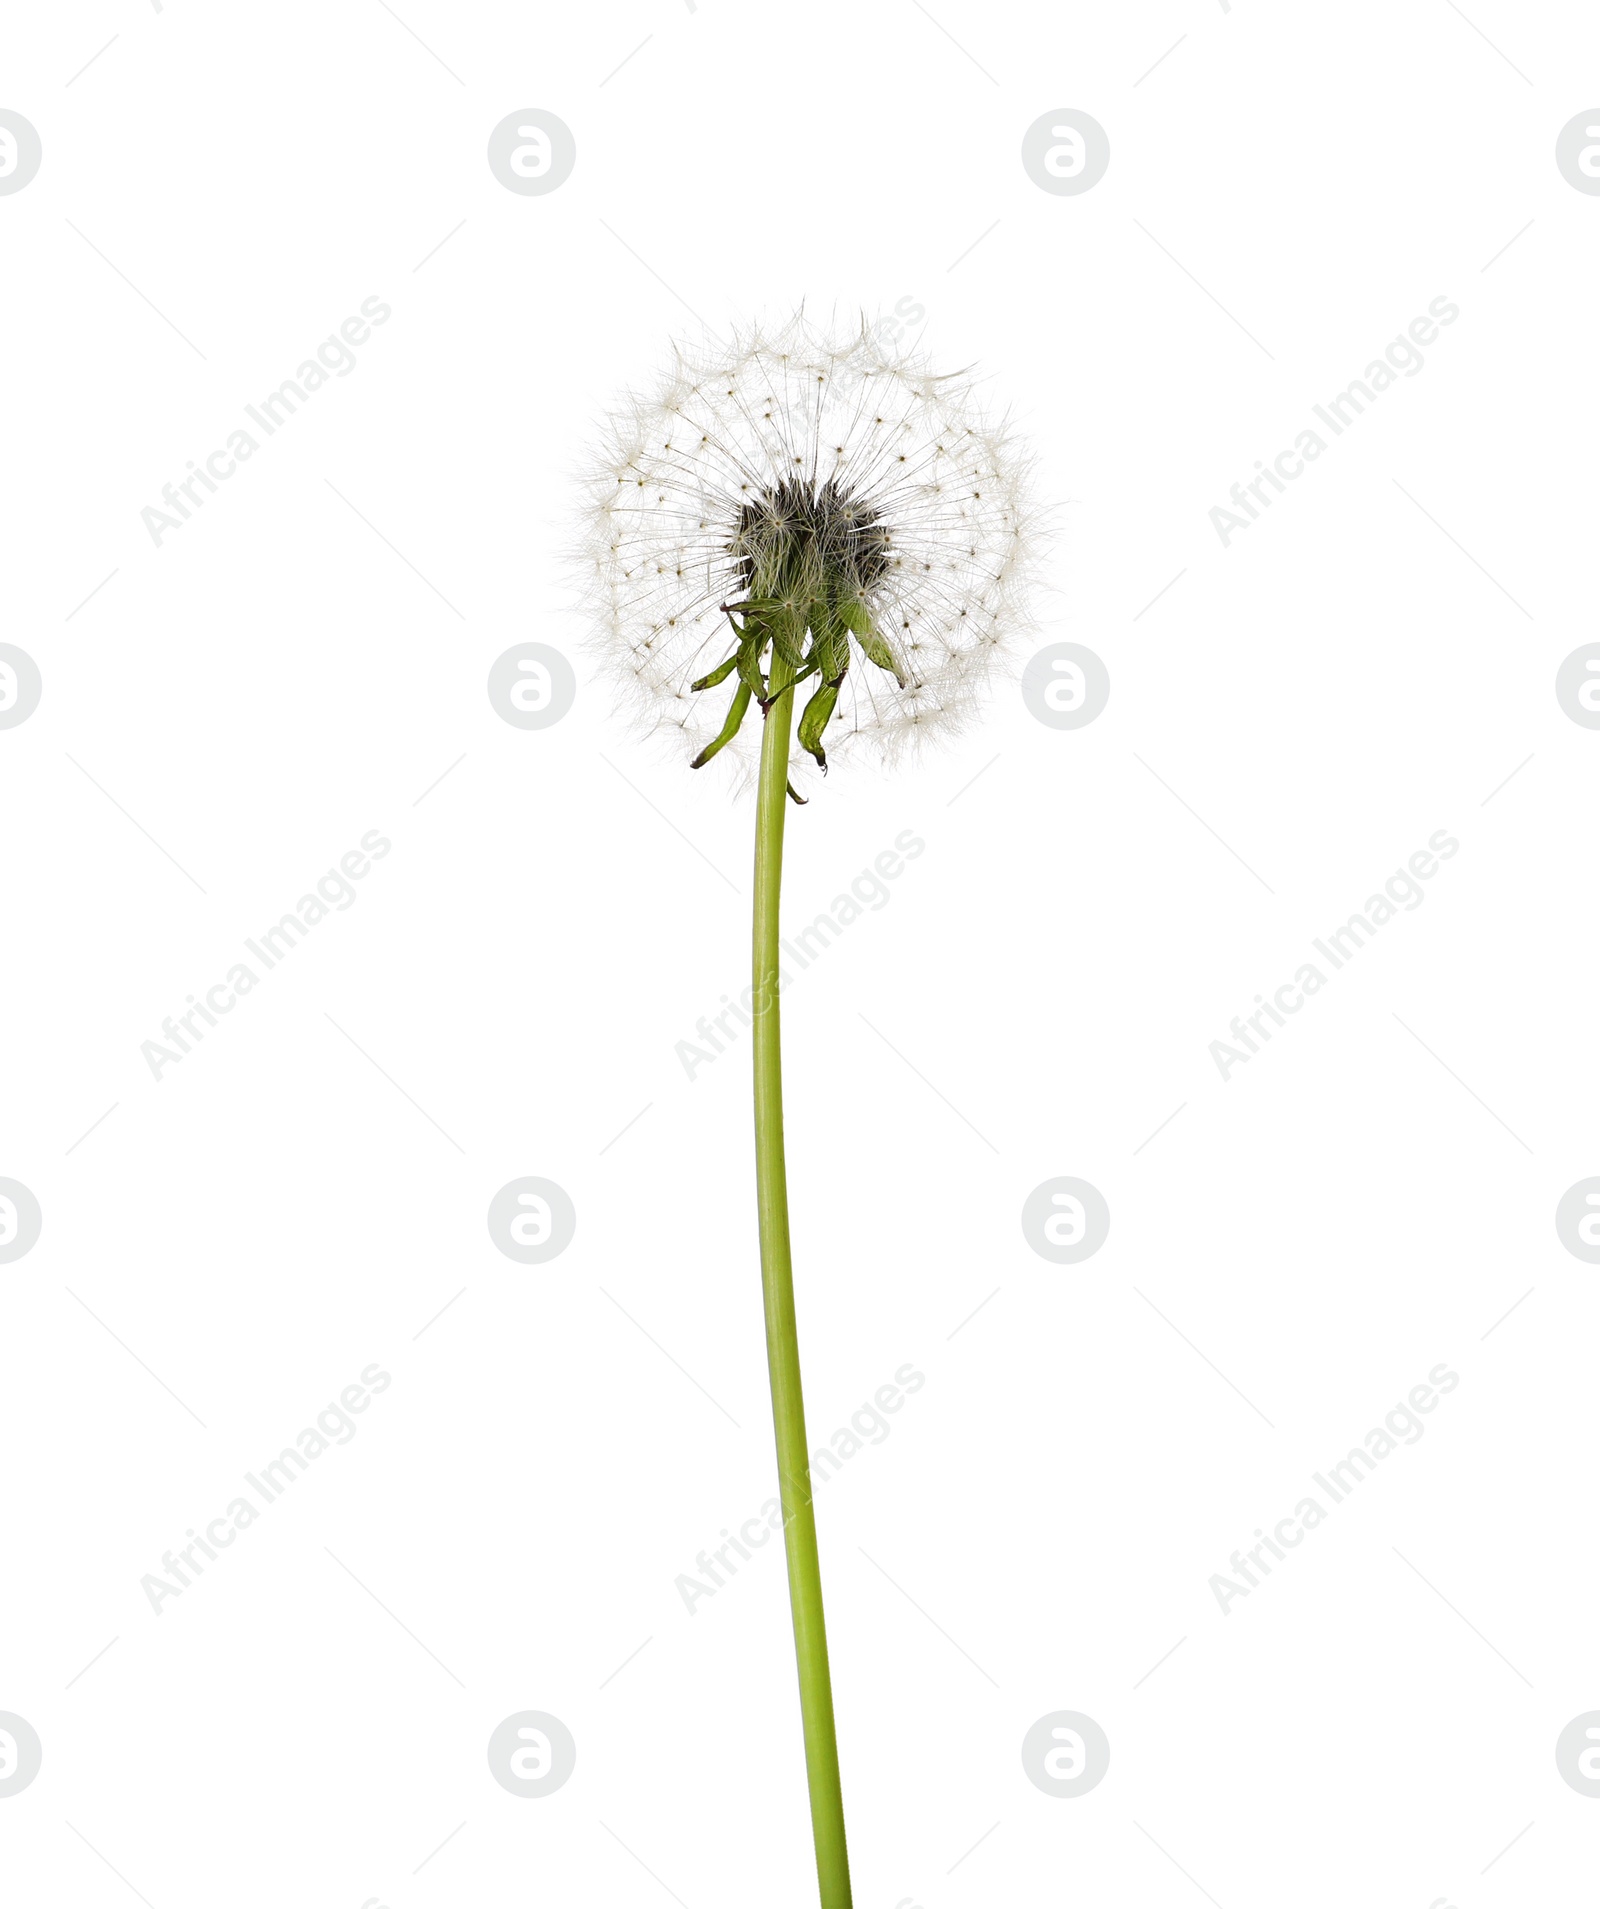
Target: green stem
column 777, row 1286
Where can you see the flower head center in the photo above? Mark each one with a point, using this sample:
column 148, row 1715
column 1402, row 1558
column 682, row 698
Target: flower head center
column 805, row 539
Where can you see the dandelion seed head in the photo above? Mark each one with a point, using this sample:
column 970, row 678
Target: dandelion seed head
column 855, row 462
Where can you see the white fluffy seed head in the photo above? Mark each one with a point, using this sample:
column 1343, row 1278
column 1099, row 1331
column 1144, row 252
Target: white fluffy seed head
column 936, row 493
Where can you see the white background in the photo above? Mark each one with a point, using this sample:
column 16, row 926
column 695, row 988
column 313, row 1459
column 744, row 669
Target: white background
column 1288, row 189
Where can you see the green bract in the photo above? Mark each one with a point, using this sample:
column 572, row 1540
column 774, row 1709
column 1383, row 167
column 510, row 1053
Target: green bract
column 807, row 556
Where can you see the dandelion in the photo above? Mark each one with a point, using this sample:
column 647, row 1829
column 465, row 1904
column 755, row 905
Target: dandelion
column 822, row 524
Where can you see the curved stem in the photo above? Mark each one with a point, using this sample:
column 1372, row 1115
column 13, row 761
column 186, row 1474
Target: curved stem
column 777, row 1286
